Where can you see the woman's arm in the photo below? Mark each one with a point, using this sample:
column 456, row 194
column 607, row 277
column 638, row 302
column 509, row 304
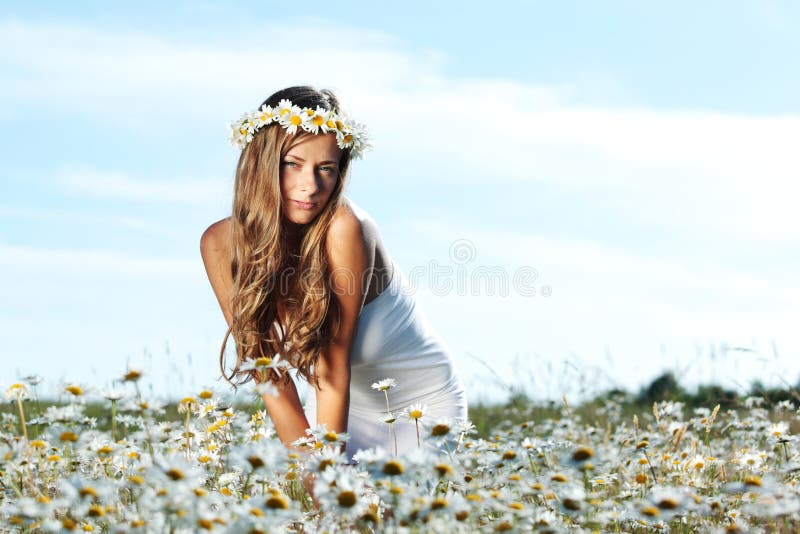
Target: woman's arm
column 285, row 409
column 347, row 258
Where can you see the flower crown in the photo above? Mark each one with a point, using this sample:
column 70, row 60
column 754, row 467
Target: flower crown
column 349, row 134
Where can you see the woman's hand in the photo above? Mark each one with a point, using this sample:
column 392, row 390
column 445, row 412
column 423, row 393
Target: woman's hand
column 308, row 484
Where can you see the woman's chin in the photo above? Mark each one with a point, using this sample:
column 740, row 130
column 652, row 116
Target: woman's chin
column 300, row 218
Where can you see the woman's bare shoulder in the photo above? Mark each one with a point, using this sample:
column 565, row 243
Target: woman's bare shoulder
column 217, row 236
column 345, row 224
column 216, row 240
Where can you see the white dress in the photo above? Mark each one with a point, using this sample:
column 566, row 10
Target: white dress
column 395, row 340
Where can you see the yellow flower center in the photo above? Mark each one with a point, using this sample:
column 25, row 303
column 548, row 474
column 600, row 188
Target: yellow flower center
column 650, row 511
column 133, row 374
column 255, row 462
column 443, row 469
column 752, row 480
column 75, row 390
column 87, row 490
column 581, row 454
column 96, row 511
column 667, row 504
column 68, row 436
column 277, row 502
column 438, row 503
column 393, row 467
column 440, row 430
column 175, row 474
column 346, row 498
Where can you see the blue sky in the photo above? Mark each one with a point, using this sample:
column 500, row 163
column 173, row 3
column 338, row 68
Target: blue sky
column 640, row 157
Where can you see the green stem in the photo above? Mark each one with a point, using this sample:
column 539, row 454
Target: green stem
column 144, row 422
column 22, row 418
column 386, row 394
column 188, row 415
column 114, row 419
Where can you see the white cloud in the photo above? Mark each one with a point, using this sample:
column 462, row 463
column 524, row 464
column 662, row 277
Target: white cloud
column 131, row 77
column 606, row 265
column 66, row 262
column 118, row 184
column 721, row 173
column 606, row 299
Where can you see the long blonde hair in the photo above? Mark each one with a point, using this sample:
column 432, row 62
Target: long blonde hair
column 264, row 268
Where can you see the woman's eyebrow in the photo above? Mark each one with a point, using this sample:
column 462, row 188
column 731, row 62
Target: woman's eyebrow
column 326, row 162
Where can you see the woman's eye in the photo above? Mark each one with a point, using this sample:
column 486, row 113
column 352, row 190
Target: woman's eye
column 290, row 163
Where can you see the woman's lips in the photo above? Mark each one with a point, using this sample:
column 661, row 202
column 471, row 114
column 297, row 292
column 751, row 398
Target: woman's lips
column 303, row 205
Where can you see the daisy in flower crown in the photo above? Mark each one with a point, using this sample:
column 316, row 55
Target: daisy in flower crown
column 305, row 283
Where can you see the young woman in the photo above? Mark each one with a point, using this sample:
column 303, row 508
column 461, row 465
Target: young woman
column 302, row 276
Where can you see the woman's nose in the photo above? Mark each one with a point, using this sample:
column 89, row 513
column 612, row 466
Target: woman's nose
column 308, row 180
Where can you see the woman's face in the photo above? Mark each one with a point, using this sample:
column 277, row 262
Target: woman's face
column 309, row 172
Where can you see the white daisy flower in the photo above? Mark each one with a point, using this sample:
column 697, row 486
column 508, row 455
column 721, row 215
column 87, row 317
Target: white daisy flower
column 266, row 116
column 778, row 430
column 242, row 131
column 388, row 418
column 112, row 394
column 416, row 411
column 361, row 139
column 284, row 108
column 332, row 123
column 293, row 119
column 385, row 384
column 263, row 363
column 316, row 120
column 32, row 380
column 18, row 390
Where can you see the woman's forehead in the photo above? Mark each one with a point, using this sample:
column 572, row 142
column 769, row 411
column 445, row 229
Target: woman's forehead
column 315, row 145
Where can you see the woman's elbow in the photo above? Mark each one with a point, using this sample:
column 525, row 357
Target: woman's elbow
column 335, row 381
